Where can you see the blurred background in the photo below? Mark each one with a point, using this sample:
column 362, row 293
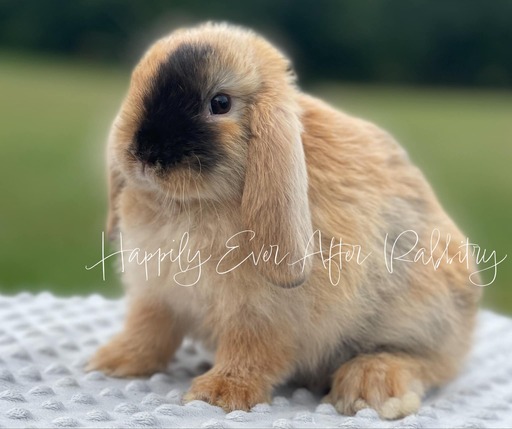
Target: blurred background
column 436, row 74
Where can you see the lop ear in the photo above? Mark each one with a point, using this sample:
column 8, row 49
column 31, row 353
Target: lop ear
column 275, row 196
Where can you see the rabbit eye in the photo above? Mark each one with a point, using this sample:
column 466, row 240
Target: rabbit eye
column 220, row 104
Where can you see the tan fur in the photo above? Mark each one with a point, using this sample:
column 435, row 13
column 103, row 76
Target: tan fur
column 384, row 338
column 143, row 317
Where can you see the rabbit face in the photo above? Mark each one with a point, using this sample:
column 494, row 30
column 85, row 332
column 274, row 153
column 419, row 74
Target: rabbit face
column 185, row 124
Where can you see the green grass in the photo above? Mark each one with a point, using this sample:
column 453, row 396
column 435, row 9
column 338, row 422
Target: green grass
column 55, row 118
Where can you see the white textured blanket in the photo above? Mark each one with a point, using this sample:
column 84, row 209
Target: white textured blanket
column 45, row 341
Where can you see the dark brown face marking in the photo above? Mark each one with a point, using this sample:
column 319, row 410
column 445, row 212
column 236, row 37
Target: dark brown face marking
column 173, row 129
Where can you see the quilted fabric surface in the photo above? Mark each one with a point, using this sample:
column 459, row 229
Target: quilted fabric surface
column 45, row 342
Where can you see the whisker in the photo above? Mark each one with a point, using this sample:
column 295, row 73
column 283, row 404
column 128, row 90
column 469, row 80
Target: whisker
column 200, row 165
column 200, row 204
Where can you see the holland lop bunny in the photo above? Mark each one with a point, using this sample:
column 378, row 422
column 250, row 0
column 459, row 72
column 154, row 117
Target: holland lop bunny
column 290, row 217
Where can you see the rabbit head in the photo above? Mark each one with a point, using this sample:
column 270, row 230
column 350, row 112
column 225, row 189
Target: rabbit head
column 212, row 113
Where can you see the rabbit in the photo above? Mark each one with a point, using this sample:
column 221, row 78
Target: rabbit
column 295, row 241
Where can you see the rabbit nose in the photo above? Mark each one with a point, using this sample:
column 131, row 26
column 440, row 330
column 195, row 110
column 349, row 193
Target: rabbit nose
column 165, row 155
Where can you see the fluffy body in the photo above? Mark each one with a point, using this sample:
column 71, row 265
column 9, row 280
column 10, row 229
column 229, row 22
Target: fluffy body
column 290, row 165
